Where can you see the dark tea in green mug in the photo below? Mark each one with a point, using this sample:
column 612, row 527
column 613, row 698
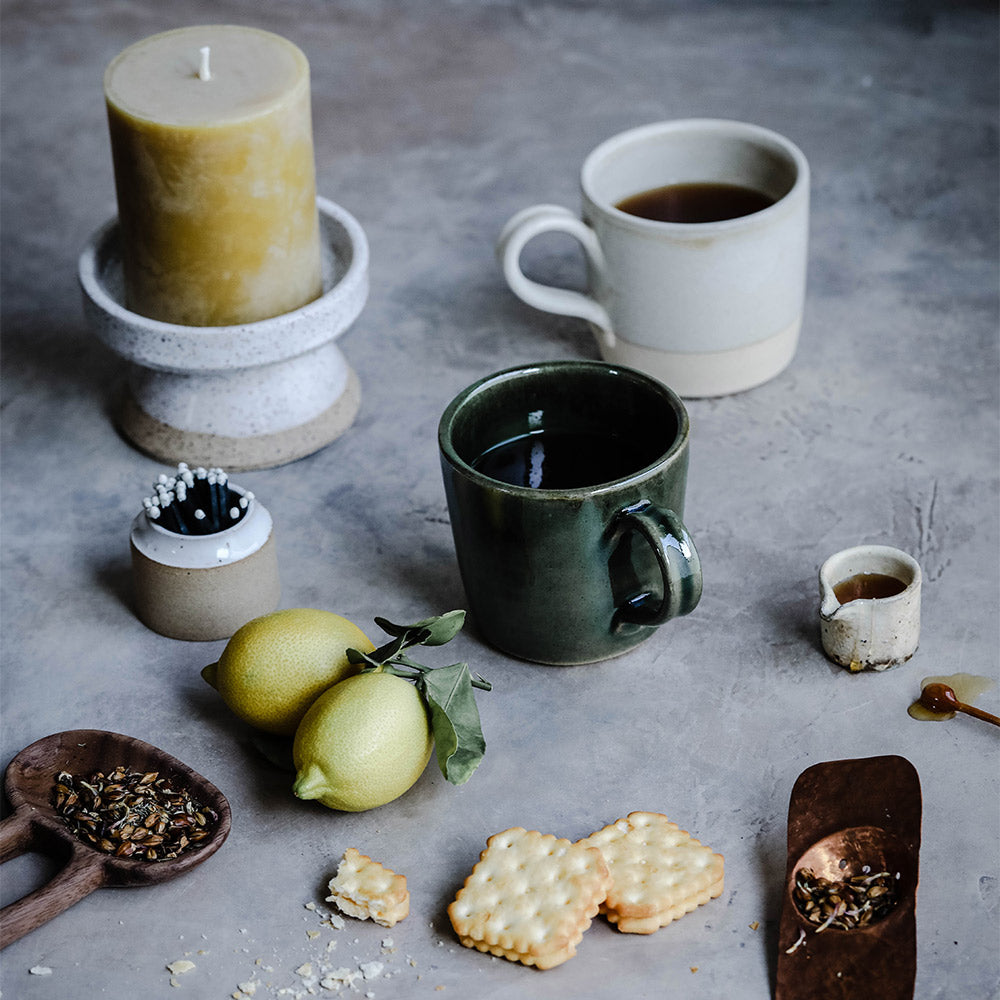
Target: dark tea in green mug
column 565, row 483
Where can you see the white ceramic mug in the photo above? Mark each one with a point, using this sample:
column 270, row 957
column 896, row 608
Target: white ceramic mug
column 709, row 308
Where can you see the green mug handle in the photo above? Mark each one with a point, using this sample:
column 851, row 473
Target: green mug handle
column 678, row 561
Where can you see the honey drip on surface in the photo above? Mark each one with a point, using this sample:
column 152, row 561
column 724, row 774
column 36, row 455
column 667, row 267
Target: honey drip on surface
column 967, row 688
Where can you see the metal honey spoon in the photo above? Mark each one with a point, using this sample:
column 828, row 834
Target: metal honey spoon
column 941, row 698
column 35, row 825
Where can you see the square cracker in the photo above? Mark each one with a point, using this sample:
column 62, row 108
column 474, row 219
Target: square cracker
column 364, row 889
column 530, row 897
column 660, row 872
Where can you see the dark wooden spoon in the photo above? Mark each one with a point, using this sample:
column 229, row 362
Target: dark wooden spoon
column 942, row 699
column 35, row 826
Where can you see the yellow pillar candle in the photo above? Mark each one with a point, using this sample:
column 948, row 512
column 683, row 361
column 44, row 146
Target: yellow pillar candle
column 211, row 137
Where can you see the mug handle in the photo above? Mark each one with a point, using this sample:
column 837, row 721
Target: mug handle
column 678, row 561
column 532, row 222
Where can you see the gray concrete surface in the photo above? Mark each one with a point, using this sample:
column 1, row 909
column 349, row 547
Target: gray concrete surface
column 434, row 122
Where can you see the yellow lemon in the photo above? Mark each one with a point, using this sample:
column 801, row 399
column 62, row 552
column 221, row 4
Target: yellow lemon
column 363, row 743
column 276, row 666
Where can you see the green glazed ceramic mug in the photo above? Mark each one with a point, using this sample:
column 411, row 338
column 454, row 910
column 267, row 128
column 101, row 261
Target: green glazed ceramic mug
column 565, row 483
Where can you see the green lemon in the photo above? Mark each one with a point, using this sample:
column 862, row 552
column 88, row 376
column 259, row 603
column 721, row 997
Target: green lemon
column 363, row 743
column 276, row 666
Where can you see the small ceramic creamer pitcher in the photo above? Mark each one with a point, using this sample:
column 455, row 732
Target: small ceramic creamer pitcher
column 870, row 607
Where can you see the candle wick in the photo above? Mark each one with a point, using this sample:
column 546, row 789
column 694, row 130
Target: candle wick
column 204, row 72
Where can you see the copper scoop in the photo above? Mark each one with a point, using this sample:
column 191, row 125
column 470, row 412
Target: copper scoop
column 846, row 818
column 35, row 825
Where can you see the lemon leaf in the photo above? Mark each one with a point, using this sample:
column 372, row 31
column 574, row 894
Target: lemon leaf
column 458, row 734
column 442, row 628
column 435, row 631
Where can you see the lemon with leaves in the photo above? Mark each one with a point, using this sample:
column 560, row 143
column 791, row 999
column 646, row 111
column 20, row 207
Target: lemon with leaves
column 363, row 743
column 366, row 740
column 274, row 667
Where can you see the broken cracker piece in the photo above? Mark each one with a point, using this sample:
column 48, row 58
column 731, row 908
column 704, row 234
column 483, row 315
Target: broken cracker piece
column 530, row 897
column 364, row 889
column 659, row 871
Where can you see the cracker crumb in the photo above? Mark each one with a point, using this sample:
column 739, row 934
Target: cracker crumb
column 340, row 977
column 305, row 969
column 181, row 966
column 694, row 968
column 371, row 970
column 755, row 925
column 40, row 970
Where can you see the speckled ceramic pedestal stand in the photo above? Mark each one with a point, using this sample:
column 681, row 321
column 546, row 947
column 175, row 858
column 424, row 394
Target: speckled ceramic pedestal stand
column 245, row 397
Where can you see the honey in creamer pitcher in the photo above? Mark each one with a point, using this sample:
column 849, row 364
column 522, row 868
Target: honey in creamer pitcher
column 868, row 587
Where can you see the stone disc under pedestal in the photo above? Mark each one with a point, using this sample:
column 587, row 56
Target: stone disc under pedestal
column 261, row 451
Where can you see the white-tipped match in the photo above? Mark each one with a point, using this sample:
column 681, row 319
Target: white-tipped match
column 176, row 498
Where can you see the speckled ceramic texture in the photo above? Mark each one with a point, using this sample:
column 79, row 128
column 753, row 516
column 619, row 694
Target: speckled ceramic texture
column 204, row 587
column 870, row 634
column 571, row 575
column 247, row 396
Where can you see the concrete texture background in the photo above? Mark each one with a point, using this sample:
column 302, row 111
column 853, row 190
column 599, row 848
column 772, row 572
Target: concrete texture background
column 434, row 122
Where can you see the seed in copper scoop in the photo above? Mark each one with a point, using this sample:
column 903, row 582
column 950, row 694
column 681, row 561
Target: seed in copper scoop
column 854, row 902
